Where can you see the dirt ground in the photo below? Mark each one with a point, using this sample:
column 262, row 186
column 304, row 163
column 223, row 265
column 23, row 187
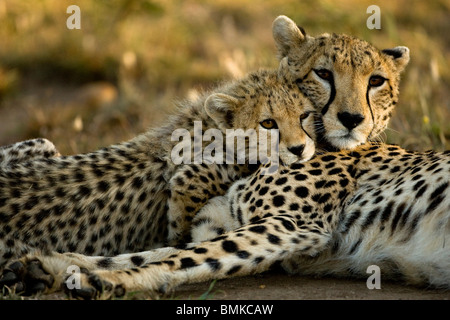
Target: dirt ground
column 285, row 287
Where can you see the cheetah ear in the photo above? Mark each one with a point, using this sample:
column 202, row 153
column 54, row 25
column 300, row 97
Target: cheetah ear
column 400, row 55
column 221, row 108
column 283, row 68
column 287, row 35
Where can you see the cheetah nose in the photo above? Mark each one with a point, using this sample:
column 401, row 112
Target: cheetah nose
column 297, row 150
column 350, row 120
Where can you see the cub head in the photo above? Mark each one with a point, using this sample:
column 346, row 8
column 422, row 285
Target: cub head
column 352, row 84
column 265, row 108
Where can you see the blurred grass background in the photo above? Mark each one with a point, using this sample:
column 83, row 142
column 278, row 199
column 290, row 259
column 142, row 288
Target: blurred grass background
column 122, row 72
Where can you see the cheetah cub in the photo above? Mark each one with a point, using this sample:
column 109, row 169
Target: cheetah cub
column 114, row 200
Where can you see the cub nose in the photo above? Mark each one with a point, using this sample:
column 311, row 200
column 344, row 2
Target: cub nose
column 297, row 150
column 350, row 120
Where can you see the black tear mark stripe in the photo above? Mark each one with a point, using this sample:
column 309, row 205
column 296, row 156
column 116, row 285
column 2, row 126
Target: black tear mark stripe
column 332, row 96
column 370, row 109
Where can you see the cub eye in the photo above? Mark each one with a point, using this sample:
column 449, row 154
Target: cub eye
column 304, row 116
column 376, row 81
column 269, row 124
column 324, row 74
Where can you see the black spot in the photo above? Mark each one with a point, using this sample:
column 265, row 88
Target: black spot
column 229, row 246
column 350, row 220
column 243, row 254
column 258, row 229
column 187, row 263
column 319, row 184
column 137, row 182
column 247, row 196
column 137, row 260
column 300, row 177
column 168, row 262
column 142, row 197
column 258, row 260
column 188, row 174
column 263, row 191
column 214, row 264
column 421, row 191
column 328, row 158
column 387, row 211
column 104, row 263
column 294, row 206
column 287, row 224
column 281, row 181
column 306, row 208
column 84, row 191
column 397, row 216
column 355, row 246
column 418, row 184
column 301, row 192
column 439, row 190
column 344, row 182
column 316, row 172
column 103, row 186
column 273, row 239
column 269, row 180
column 196, row 199
column 200, row 250
column 369, row 219
column 278, row 201
column 31, row 203
column 335, row 171
column 297, row 166
column 4, row 217
column 233, row 270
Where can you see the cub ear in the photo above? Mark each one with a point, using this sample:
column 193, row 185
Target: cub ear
column 283, row 68
column 287, row 35
column 221, row 108
column 400, row 56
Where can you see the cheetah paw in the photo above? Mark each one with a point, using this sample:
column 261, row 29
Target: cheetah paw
column 92, row 286
column 26, row 277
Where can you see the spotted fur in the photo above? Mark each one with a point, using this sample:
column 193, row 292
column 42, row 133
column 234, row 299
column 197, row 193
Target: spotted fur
column 336, row 214
column 115, row 200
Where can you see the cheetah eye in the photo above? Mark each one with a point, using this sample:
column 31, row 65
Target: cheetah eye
column 269, row 124
column 324, row 74
column 376, row 81
column 305, row 115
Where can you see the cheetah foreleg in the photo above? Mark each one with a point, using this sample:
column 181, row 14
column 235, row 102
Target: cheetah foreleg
column 245, row 251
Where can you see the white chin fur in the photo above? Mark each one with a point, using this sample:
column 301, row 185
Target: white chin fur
column 344, row 142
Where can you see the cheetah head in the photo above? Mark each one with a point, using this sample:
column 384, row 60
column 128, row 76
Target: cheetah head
column 266, row 103
column 352, row 84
